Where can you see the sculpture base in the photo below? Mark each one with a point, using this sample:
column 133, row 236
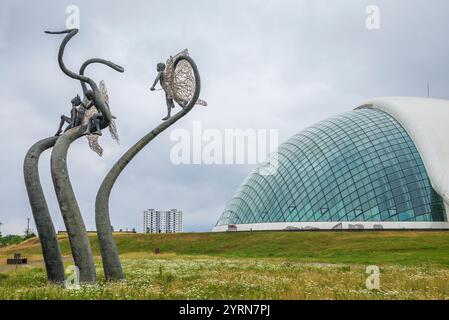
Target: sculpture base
column 17, row 261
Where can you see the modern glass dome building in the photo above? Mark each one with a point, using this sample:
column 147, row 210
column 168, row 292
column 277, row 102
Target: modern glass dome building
column 382, row 165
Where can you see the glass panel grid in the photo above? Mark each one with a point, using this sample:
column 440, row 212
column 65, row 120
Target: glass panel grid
column 359, row 166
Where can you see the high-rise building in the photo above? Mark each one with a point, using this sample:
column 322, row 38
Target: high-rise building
column 155, row 221
column 384, row 165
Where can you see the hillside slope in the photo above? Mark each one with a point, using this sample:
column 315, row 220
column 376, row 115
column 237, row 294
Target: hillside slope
column 397, row 247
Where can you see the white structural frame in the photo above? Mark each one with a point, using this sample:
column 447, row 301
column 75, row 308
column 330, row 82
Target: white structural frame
column 426, row 122
column 353, row 225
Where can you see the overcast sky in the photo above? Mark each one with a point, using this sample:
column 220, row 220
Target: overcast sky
column 264, row 65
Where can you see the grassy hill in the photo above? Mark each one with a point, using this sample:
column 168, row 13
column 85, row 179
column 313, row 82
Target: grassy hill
column 257, row 265
column 405, row 247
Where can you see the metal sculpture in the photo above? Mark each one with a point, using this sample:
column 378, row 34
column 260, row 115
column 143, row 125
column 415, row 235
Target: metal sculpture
column 111, row 261
column 94, row 98
column 179, row 78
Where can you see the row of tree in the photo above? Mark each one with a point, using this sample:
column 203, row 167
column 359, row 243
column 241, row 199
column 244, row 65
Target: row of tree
column 15, row 239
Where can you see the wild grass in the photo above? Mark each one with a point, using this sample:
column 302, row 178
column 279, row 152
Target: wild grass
column 185, row 277
column 413, row 265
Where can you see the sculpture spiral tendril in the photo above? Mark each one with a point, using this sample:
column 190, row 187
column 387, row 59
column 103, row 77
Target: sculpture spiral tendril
column 76, row 230
column 44, row 225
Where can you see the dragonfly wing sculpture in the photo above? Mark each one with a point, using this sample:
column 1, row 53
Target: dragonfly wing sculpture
column 113, row 126
column 93, row 138
column 180, row 81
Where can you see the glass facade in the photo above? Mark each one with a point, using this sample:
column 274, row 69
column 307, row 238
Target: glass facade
column 358, row 166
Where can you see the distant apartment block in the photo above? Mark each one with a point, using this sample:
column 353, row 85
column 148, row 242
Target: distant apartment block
column 155, row 221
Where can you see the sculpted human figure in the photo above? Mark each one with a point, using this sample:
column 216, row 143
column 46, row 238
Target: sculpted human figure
column 178, row 82
column 168, row 92
column 94, row 122
column 76, row 115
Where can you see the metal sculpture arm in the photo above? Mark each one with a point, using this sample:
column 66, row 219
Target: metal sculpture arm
column 158, row 77
column 110, row 64
column 70, row 34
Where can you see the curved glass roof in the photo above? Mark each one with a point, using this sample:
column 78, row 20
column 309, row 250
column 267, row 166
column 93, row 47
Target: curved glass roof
column 358, row 166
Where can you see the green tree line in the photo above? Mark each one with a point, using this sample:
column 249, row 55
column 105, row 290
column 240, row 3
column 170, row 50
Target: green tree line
column 14, row 239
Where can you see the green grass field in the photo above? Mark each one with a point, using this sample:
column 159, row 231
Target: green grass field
column 257, row 265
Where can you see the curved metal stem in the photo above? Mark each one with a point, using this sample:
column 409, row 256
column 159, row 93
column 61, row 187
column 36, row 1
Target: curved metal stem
column 41, row 214
column 70, row 34
column 100, row 104
column 110, row 64
column 79, row 241
column 109, row 253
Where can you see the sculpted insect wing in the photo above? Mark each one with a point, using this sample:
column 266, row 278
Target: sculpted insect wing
column 92, row 138
column 169, row 74
column 181, row 81
column 112, row 127
column 104, row 91
column 201, row 103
